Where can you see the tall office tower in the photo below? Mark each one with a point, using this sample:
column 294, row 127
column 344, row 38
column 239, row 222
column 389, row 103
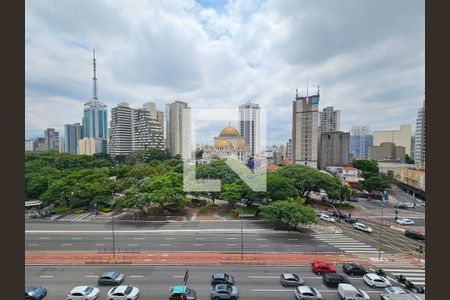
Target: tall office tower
column 289, row 150
column 249, row 126
column 87, row 146
column 146, row 131
column 72, row 134
column 334, row 149
column 39, row 144
column 419, row 147
column 178, row 129
column 360, row 142
column 283, row 151
column 330, row 119
column 400, row 137
column 95, row 118
column 62, row 145
column 51, row 138
column 305, row 131
column 29, row 145
column 120, row 133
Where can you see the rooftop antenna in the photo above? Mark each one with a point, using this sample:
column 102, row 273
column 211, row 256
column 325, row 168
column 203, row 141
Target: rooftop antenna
column 318, row 90
column 296, row 93
column 306, row 86
column 94, row 88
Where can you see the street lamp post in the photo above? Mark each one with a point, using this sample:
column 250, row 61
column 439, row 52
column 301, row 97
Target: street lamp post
column 242, row 232
column 112, row 228
column 381, row 229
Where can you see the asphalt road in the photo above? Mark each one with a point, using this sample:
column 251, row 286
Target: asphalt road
column 254, row 282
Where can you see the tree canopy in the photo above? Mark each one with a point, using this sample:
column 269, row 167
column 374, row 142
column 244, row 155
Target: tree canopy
column 288, row 212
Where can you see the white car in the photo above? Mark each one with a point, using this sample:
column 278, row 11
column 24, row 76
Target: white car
column 327, row 218
column 404, row 221
column 362, row 227
column 83, row 293
column 374, row 280
column 123, row 292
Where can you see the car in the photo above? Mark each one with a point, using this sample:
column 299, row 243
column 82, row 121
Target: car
column 111, row 278
column 290, row 279
column 350, row 221
column 320, row 267
column 353, row 269
column 409, row 204
column 414, row 235
column 222, row 278
column 182, row 292
column 374, row 280
column 83, row 292
column 327, row 218
column 123, row 292
column 340, row 215
column 224, row 291
column 307, row 293
column 332, row 280
column 362, row 227
column 401, row 205
column 35, row 293
column 318, row 213
column 404, row 221
column 349, row 292
column 396, row 290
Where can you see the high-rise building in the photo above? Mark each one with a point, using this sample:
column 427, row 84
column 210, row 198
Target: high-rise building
column 282, row 151
column 388, row 152
column 29, row 145
column 400, row 137
column 134, row 129
column 51, row 138
column 419, row 147
column 40, row 145
column 87, row 146
column 305, row 131
column 72, row 134
column 330, row 119
column 289, row 150
column 360, row 142
column 62, row 145
column 95, row 117
column 249, row 125
column 120, row 133
column 178, row 129
column 334, row 149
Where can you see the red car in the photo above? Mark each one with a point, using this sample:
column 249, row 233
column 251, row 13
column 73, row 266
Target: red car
column 320, row 267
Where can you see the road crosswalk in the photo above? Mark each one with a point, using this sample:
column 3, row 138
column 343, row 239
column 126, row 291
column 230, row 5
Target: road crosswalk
column 416, row 276
column 345, row 243
column 78, row 217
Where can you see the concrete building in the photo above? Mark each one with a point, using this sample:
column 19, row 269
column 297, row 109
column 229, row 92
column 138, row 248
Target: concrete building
column 120, row 133
column 249, row 126
column 360, row 142
column 334, row 149
column 95, row 116
column 411, row 177
column 29, row 145
column 87, row 146
column 282, row 151
column 419, row 141
column 51, row 137
column 305, row 131
column 387, row 152
column 72, row 135
column 62, row 145
column 330, row 119
column 289, row 150
column 178, row 129
column 401, row 137
column 40, row 145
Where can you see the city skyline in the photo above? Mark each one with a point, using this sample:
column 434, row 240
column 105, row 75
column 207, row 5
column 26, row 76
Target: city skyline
column 380, row 70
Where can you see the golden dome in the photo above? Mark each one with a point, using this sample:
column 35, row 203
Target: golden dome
column 241, row 143
column 223, row 144
column 229, row 131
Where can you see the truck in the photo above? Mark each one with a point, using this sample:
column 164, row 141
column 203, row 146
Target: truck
column 349, row 292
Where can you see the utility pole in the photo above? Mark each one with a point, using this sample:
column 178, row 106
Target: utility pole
column 112, row 227
column 242, row 234
column 381, row 229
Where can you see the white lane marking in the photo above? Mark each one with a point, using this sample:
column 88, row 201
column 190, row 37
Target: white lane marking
column 47, row 276
column 32, row 245
column 231, row 238
column 99, row 244
column 365, row 251
column 405, row 270
column 263, row 245
column 139, row 238
column 91, row 276
column 356, row 247
column 66, row 245
column 231, row 245
column 169, row 238
column 199, row 244
column 418, row 282
column 292, row 239
column 297, row 245
column 178, row 276
column 107, row 238
column 199, row 238
column 136, row 276
column 411, row 274
column 44, row 238
column 131, row 245
column 261, row 239
column 77, row 238
column 165, row 245
column 261, row 277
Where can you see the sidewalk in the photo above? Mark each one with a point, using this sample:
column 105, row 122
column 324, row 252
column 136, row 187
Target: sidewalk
column 199, row 258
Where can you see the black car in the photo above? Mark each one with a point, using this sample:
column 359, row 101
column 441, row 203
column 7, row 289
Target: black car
column 111, row 278
column 35, row 293
column 340, row 215
column 332, row 280
column 414, row 235
column 217, row 278
column 354, row 269
column 351, row 220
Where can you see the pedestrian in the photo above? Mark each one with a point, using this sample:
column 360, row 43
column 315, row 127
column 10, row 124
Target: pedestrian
column 349, row 215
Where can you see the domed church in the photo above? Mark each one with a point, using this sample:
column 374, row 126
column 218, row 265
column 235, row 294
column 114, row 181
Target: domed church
column 228, row 143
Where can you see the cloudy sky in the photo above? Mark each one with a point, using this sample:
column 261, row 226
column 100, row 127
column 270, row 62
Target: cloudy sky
column 367, row 56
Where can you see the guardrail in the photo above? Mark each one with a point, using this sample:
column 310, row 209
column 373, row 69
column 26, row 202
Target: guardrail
column 106, row 261
column 119, row 250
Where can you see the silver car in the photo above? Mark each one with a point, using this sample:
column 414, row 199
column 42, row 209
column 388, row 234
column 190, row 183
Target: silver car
column 395, row 290
column 111, row 278
column 224, row 291
column 307, row 293
column 290, row 279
